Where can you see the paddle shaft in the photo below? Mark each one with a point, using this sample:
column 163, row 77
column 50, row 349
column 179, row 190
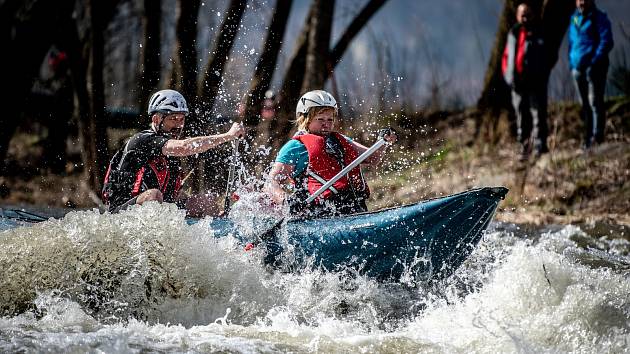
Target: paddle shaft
column 347, row 169
column 231, row 177
column 270, row 233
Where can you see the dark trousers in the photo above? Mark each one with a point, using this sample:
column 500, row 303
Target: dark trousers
column 530, row 106
column 590, row 85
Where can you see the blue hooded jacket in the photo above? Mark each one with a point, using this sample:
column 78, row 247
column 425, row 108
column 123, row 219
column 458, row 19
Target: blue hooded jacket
column 590, row 38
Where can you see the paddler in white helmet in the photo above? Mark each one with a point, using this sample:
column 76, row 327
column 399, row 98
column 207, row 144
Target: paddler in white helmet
column 315, row 154
column 147, row 168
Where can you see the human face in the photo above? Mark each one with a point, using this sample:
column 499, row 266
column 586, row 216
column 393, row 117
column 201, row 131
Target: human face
column 523, row 14
column 584, row 5
column 173, row 123
column 322, row 122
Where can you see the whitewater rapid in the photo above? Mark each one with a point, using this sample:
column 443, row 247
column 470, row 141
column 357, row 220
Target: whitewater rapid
column 146, row 280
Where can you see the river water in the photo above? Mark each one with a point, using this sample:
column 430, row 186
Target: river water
column 146, row 281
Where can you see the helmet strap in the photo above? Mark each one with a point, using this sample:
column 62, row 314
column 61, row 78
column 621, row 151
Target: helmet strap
column 161, row 123
column 158, row 128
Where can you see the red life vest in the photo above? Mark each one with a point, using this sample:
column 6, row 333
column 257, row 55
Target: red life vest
column 323, row 166
column 126, row 184
column 160, row 168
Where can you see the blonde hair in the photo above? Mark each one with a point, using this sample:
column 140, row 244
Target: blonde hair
column 303, row 120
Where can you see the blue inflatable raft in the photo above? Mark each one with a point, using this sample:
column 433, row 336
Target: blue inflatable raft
column 426, row 240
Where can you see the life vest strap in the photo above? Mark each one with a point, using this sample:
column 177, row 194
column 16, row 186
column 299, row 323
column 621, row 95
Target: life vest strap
column 321, row 180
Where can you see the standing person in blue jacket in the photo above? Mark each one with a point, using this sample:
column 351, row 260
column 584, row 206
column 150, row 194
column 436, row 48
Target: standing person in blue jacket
column 523, row 66
column 590, row 40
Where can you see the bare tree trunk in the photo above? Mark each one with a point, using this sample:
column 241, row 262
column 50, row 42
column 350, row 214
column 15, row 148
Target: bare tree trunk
column 289, row 93
column 78, row 73
column 281, row 126
column 496, row 94
column 267, row 62
column 214, row 70
column 209, row 173
column 95, row 143
column 26, row 32
column 318, row 45
column 556, row 16
column 88, row 85
column 184, row 74
column 150, row 78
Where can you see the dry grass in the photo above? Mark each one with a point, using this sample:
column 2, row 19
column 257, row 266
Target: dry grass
column 567, row 185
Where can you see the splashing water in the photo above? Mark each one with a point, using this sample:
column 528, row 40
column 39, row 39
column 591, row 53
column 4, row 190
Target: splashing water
column 145, row 279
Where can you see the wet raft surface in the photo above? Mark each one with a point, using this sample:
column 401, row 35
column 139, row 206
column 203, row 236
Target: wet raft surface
column 429, row 239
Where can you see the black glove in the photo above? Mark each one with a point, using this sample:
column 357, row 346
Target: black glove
column 296, row 203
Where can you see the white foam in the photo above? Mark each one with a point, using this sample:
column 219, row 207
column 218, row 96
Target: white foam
column 167, row 286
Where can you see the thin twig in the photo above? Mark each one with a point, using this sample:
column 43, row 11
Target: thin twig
column 546, row 277
column 188, row 175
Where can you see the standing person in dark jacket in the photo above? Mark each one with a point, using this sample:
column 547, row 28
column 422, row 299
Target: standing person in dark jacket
column 148, row 169
column 523, row 66
column 590, row 40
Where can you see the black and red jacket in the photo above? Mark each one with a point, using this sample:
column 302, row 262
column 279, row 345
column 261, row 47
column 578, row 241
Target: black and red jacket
column 324, row 164
column 141, row 166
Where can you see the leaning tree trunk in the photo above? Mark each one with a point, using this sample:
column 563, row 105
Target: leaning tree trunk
column 353, row 29
column 289, row 93
column 210, row 173
column 150, row 73
column 184, row 74
column 213, row 73
column 261, row 81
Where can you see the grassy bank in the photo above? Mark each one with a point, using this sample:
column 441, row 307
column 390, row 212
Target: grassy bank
column 567, row 185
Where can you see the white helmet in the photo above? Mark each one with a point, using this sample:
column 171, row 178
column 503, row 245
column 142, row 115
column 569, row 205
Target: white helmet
column 316, row 98
column 167, row 101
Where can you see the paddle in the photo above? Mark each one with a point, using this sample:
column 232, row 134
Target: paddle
column 21, row 215
column 380, row 142
column 231, row 177
column 269, row 233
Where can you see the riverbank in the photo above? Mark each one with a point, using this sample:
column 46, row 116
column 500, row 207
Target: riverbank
column 568, row 185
